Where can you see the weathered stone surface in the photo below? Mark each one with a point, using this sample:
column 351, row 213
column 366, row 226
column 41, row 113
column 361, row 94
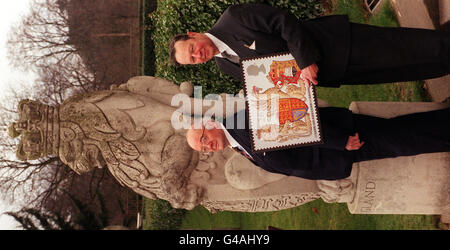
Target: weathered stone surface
column 403, row 185
column 128, row 130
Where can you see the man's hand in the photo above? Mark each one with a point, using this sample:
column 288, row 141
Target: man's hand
column 309, row 74
column 353, row 143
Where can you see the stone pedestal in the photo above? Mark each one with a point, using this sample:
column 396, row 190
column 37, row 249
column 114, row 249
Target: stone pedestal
column 130, row 130
column 403, row 185
column 251, row 189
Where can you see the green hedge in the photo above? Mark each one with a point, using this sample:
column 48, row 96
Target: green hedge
column 159, row 215
column 179, row 16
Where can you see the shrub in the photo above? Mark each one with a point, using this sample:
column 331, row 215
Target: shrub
column 159, row 215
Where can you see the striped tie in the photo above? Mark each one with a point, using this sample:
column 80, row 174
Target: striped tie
column 232, row 58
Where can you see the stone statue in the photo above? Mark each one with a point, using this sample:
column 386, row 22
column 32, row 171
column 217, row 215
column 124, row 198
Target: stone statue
column 128, row 129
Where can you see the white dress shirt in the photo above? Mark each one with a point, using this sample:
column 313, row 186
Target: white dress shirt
column 220, row 45
column 231, row 140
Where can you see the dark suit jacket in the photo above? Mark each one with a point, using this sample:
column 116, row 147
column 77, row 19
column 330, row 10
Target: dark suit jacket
column 328, row 161
column 275, row 30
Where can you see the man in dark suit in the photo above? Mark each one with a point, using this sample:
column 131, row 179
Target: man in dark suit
column 329, row 50
column 375, row 138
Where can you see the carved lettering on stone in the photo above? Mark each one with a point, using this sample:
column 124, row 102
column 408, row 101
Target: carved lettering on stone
column 368, row 197
column 273, row 203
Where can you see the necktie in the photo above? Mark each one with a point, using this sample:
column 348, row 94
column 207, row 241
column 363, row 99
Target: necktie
column 243, row 153
column 232, row 58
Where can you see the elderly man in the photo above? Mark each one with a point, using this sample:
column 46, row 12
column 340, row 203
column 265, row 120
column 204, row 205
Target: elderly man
column 329, row 50
column 347, row 137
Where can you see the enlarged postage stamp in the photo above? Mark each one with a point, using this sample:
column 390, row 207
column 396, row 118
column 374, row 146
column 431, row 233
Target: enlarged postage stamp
column 282, row 109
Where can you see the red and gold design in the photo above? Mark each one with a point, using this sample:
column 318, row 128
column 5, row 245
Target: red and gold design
column 284, row 72
column 291, row 109
column 282, row 108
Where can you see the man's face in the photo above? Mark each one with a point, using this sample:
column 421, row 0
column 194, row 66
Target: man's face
column 207, row 140
column 197, row 49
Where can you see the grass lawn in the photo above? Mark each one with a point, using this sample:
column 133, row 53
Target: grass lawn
column 318, row 214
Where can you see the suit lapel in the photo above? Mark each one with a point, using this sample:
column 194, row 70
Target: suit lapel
column 242, row 136
column 241, row 48
column 236, row 43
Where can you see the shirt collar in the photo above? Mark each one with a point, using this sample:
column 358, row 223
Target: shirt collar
column 221, row 46
column 231, row 140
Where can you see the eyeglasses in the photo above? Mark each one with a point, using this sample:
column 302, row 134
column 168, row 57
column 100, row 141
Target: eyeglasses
column 204, row 141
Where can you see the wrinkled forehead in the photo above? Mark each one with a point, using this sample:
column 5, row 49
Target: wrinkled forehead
column 182, row 55
column 193, row 138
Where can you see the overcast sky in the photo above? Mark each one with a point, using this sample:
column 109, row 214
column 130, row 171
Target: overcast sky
column 10, row 12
